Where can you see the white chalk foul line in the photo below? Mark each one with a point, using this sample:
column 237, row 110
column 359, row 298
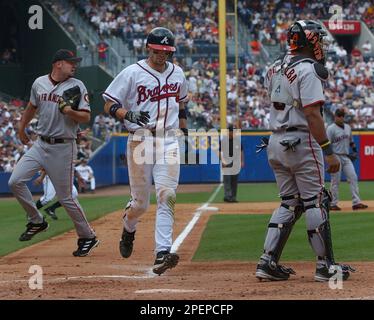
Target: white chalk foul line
column 178, row 241
column 166, row 291
column 83, row 278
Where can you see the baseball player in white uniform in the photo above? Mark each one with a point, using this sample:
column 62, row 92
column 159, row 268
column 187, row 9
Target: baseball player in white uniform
column 49, row 193
column 151, row 94
column 340, row 135
column 87, row 174
column 55, row 150
column 295, row 153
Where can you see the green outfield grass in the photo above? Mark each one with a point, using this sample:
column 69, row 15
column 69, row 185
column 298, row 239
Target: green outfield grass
column 259, row 192
column 12, row 216
column 241, row 237
column 13, row 220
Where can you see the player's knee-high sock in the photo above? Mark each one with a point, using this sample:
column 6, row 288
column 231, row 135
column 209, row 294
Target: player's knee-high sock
column 54, row 206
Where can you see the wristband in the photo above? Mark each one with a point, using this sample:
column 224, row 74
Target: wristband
column 182, row 114
column 185, row 131
column 326, row 148
column 113, row 109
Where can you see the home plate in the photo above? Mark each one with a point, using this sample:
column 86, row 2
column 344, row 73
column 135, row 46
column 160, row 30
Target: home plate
column 166, row 290
column 206, row 208
column 211, row 209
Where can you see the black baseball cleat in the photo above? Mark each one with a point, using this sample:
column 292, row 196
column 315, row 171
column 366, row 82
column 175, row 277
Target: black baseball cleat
column 126, row 243
column 335, row 208
column 324, row 273
column 164, row 260
column 85, row 246
column 359, row 206
column 32, row 229
column 269, row 270
column 51, row 213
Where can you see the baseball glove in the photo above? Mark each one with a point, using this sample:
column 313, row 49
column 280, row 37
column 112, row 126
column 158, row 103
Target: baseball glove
column 70, row 97
column 353, row 156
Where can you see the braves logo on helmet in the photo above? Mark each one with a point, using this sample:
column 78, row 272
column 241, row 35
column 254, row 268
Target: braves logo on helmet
column 165, row 40
column 161, row 39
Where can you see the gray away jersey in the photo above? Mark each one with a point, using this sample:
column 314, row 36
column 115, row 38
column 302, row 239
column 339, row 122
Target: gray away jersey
column 340, row 138
column 44, row 95
column 291, row 89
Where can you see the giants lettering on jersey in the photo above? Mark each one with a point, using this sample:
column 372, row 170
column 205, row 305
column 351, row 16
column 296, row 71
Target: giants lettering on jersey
column 272, row 71
column 170, row 90
column 48, row 97
column 340, row 138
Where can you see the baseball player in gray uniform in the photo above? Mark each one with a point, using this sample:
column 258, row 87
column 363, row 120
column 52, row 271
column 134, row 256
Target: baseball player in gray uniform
column 340, row 135
column 151, row 94
column 295, row 153
column 62, row 103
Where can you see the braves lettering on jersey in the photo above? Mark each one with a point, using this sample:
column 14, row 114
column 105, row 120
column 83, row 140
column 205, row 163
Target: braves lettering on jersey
column 340, row 137
column 293, row 85
column 139, row 87
column 44, row 95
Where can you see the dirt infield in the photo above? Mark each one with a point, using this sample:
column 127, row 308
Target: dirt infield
column 105, row 275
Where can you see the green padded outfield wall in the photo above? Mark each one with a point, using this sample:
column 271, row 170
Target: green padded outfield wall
column 39, row 45
column 12, row 80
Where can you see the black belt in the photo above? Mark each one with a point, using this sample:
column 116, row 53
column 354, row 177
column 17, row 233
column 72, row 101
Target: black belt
column 290, row 129
column 52, row 140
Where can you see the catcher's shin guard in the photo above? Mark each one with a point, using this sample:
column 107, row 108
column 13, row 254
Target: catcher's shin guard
column 278, row 233
column 320, row 237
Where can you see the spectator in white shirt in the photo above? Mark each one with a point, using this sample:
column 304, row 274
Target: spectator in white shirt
column 366, row 49
column 87, row 175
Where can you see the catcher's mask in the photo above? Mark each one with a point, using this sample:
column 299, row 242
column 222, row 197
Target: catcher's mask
column 308, row 34
column 161, row 39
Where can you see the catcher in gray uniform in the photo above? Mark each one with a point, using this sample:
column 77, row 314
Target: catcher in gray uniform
column 295, row 153
column 340, row 135
column 62, row 103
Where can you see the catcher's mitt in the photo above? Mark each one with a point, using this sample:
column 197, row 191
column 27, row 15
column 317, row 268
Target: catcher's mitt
column 353, row 156
column 70, row 97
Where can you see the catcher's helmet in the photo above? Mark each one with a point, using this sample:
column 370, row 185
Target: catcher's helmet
column 161, row 39
column 307, row 33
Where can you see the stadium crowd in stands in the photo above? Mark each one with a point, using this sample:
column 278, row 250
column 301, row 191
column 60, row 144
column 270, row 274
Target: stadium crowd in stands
column 11, row 148
column 268, row 20
column 351, row 74
column 132, row 20
column 195, row 21
column 350, row 86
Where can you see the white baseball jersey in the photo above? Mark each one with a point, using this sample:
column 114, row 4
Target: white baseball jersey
column 141, row 88
column 292, row 87
column 85, row 172
column 340, row 138
column 45, row 93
